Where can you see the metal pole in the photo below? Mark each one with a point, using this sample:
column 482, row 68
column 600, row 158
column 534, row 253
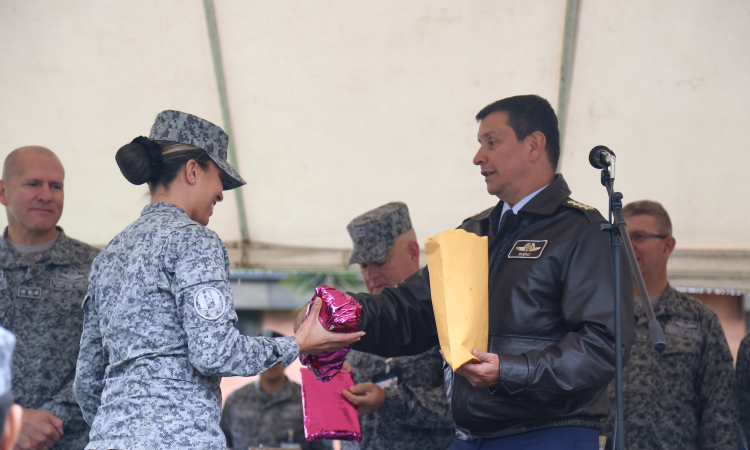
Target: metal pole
column 619, row 422
column 213, row 35
column 566, row 70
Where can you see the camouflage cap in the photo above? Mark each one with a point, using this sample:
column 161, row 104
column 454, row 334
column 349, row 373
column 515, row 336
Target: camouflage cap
column 176, row 126
column 7, row 344
column 374, row 232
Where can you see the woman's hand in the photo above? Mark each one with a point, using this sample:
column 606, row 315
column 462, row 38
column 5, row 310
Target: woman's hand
column 313, row 339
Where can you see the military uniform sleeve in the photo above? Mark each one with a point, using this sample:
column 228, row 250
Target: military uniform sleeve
column 199, row 265
column 398, row 321
column 715, row 390
column 583, row 362
column 92, row 362
column 63, row 405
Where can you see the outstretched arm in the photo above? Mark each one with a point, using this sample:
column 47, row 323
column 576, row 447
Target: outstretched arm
column 399, row 321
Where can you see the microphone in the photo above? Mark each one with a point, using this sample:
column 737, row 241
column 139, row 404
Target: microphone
column 601, row 157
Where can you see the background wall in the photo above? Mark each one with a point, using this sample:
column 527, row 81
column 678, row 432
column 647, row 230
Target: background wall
column 339, row 107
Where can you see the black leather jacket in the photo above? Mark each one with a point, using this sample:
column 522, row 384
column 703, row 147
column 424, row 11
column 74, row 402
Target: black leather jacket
column 551, row 320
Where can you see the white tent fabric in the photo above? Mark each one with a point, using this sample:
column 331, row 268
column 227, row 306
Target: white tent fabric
column 340, row 106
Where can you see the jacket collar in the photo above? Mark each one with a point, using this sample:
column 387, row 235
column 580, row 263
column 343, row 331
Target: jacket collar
column 544, row 203
column 163, row 207
column 547, row 201
column 58, row 254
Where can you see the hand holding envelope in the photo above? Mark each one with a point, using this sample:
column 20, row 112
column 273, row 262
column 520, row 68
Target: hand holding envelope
column 459, row 273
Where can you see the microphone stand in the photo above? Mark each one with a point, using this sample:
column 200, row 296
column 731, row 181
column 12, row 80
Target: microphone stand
column 618, row 229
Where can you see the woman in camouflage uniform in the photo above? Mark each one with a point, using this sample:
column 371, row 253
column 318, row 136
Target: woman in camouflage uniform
column 159, row 318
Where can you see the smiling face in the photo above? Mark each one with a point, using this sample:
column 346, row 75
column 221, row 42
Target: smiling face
column 209, row 192
column 32, row 192
column 503, row 159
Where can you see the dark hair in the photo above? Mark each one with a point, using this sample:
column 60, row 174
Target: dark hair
column 527, row 114
column 653, row 209
column 156, row 162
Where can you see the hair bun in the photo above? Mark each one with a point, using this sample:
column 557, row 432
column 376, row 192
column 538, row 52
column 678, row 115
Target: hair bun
column 134, row 162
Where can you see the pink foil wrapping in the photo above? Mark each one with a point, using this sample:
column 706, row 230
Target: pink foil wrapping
column 328, row 415
column 339, row 313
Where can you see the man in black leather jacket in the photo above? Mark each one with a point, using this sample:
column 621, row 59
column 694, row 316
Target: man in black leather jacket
column 551, row 350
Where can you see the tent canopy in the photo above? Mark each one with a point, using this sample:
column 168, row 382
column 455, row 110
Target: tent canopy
column 338, row 107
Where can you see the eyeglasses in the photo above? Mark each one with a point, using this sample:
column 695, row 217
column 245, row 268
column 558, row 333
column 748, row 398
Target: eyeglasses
column 642, row 237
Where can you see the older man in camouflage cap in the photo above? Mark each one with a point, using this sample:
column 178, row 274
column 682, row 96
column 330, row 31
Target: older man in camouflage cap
column 683, row 398
column 43, row 279
column 402, row 400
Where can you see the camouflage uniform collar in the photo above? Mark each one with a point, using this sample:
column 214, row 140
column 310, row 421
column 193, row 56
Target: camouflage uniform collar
column 58, row 254
column 284, row 393
column 666, row 305
column 162, row 207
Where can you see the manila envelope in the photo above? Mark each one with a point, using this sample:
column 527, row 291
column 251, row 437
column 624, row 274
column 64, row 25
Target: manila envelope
column 459, row 272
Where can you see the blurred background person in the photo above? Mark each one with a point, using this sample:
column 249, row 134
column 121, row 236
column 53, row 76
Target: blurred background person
column 743, row 385
column 267, row 412
column 10, row 413
column 402, row 401
column 683, row 398
column 43, row 279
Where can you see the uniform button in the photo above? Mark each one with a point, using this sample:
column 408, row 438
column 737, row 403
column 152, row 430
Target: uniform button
column 156, row 366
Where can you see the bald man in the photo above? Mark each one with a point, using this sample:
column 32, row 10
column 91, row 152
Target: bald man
column 43, row 279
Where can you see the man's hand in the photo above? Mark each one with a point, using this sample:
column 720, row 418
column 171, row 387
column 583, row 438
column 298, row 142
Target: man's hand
column 347, row 367
column 314, row 340
column 485, row 373
column 39, row 430
column 372, row 400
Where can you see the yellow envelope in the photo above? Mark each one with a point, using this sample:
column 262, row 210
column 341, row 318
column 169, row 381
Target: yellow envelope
column 459, row 272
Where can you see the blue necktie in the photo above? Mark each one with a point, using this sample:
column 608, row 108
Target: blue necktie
column 507, row 213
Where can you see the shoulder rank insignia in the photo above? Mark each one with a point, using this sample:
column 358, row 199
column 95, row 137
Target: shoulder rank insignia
column 580, row 205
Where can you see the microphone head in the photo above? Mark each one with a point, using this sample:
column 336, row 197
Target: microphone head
column 598, row 156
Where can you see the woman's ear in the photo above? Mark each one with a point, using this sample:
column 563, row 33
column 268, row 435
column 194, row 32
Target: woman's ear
column 191, row 171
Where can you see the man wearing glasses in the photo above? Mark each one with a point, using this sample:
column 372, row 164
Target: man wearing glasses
column 683, row 398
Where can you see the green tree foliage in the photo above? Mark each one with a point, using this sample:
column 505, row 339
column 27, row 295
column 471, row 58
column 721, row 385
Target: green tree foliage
column 303, row 284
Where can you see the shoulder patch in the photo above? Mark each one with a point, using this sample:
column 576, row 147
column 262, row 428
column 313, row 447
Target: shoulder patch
column 579, row 205
column 209, row 303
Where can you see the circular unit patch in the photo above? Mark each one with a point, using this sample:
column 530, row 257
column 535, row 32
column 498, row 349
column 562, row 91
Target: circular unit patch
column 209, row 303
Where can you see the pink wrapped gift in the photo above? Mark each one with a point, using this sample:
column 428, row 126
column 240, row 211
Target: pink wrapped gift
column 328, row 415
column 339, row 313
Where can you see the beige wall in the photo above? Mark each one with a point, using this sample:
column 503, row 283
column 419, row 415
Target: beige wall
column 664, row 85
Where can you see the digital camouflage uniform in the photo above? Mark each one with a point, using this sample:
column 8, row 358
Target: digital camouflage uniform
column 41, row 295
column 415, row 414
column 253, row 416
column 743, row 383
column 159, row 334
column 684, row 398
